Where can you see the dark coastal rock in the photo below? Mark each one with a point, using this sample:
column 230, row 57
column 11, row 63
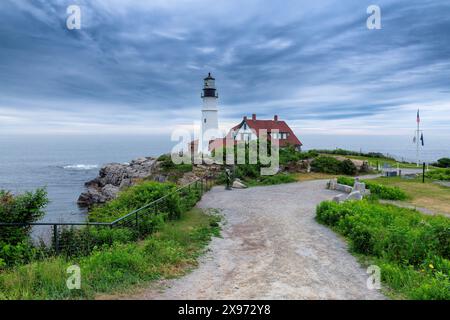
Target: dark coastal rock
column 114, row 177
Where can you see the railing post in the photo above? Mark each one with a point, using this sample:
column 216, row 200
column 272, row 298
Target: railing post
column 55, row 238
column 137, row 223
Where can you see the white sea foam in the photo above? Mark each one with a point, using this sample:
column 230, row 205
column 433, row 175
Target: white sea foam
column 81, row 167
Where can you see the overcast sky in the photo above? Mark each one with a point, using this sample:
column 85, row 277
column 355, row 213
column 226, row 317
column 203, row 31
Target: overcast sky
column 137, row 66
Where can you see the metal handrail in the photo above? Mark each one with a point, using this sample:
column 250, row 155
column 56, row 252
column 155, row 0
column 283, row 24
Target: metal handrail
column 110, row 224
column 153, row 202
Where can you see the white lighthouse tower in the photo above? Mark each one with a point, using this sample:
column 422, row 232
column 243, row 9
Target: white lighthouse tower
column 210, row 122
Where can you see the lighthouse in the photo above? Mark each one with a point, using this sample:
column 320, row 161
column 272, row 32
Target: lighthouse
column 210, row 122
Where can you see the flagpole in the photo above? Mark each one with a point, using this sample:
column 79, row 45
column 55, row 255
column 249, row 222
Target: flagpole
column 417, row 138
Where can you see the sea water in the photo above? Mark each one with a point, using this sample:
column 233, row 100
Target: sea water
column 62, row 164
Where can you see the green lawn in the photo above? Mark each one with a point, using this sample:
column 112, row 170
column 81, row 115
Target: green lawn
column 426, row 195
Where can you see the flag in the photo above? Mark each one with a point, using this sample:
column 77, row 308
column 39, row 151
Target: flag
column 418, row 116
column 421, row 139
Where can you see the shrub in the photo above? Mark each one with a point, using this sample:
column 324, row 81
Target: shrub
column 443, row 163
column 276, row 179
column 348, row 167
column 439, row 174
column 289, row 154
column 18, row 253
column 25, row 208
column 377, row 190
column 326, row 165
column 413, row 249
column 136, row 197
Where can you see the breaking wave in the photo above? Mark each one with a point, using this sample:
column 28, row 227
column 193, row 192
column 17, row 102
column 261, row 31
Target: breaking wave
column 80, row 167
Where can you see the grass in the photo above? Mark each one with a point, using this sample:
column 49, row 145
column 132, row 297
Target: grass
column 373, row 161
column 170, row 252
column 314, row 176
column 427, row 195
column 411, row 249
column 270, row 180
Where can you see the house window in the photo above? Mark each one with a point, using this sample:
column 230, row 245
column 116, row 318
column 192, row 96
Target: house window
column 245, row 126
column 204, row 120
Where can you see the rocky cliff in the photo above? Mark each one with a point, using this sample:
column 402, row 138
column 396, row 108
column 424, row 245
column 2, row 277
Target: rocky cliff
column 115, row 177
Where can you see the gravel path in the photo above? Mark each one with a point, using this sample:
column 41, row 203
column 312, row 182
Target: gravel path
column 272, row 248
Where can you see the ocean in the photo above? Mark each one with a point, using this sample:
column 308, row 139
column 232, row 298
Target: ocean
column 63, row 164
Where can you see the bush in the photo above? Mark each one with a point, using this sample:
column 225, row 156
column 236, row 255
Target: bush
column 25, row 208
column 439, row 174
column 276, row 179
column 348, row 167
column 136, row 197
column 443, row 163
column 402, row 239
column 326, row 165
column 18, row 253
column 289, row 154
column 343, row 152
column 377, row 190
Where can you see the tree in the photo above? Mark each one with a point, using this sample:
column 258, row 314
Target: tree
column 443, row 163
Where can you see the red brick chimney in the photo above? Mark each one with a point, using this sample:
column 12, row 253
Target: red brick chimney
column 254, row 116
column 275, row 118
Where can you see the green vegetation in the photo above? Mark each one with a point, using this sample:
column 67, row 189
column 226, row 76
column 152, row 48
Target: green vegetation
column 343, row 152
column 174, row 171
column 136, row 197
column 170, row 252
column 426, row 195
column 15, row 245
column 439, row 174
column 442, row 163
column 332, row 165
column 272, row 180
column 289, row 155
column 373, row 158
column 412, row 250
column 376, row 189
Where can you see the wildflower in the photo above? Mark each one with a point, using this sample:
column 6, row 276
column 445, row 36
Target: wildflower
column 431, row 266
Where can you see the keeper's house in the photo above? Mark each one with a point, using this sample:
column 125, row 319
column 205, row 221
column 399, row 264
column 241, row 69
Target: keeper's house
column 249, row 129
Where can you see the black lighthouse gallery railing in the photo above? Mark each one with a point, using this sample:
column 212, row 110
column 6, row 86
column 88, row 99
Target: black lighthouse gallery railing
column 138, row 223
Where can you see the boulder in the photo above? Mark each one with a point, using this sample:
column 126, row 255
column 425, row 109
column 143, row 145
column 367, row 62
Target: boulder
column 238, row 184
column 340, row 198
column 359, row 186
column 110, row 192
column 332, row 184
column 114, row 177
column 355, row 195
column 343, row 188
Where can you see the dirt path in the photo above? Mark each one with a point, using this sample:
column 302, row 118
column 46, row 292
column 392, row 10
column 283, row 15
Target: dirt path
column 272, row 248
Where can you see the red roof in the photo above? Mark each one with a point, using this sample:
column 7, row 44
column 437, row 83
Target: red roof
column 270, row 125
column 256, row 126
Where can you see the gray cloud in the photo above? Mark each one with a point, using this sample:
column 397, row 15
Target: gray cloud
column 305, row 61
